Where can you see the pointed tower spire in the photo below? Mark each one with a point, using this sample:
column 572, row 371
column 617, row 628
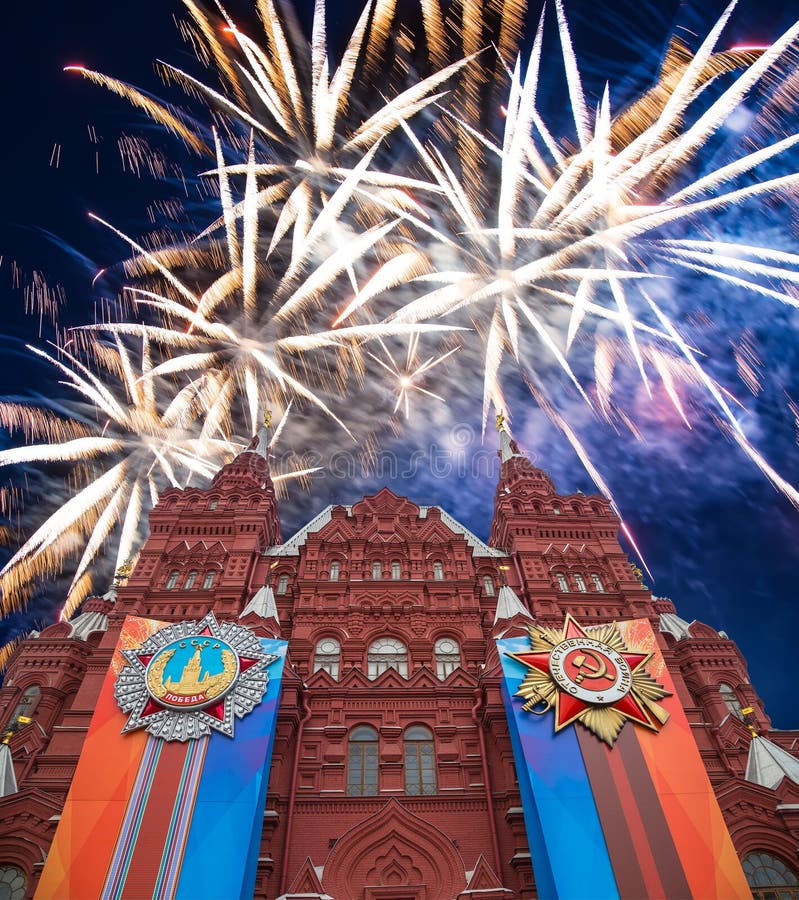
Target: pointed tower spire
column 515, row 465
column 769, row 763
column 249, row 472
column 252, row 464
column 8, row 780
column 262, row 604
column 509, row 605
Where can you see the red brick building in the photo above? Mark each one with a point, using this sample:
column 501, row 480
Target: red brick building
column 392, row 774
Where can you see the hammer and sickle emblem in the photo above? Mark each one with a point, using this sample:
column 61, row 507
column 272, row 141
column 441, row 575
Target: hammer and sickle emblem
column 584, row 670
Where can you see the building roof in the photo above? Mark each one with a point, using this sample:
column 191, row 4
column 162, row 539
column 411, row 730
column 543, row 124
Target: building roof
column 674, row 625
column 291, row 547
column 769, row 763
column 8, row 781
column 262, row 604
column 509, row 605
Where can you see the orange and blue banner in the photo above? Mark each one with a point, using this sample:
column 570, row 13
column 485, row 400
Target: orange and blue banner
column 638, row 819
column 164, row 819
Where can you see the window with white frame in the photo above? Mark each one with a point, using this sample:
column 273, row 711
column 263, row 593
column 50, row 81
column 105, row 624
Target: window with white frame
column 335, row 570
column 172, row 580
column 597, row 582
column 377, row 571
column 190, row 579
column 580, row 582
column 208, row 581
column 282, row 584
column 396, row 570
column 387, row 653
column 438, row 571
column 488, row 586
column 448, row 657
column 563, row 585
column 326, row 656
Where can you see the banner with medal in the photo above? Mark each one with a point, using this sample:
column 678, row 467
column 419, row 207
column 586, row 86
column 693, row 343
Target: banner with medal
column 168, row 796
column 616, row 799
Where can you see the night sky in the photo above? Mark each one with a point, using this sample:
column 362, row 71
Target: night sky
column 717, row 537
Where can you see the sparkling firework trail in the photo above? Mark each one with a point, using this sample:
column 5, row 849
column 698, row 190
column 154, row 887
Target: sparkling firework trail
column 409, row 374
column 361, row 202
column 123, row 438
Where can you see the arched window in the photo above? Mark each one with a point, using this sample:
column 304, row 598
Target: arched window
column 448, row 657
column 562, row 583
column 208, row 581
column 438, row 571
column 420, row 761
column 396, row 570
column 190, row 579
column 172, row 580
column 13, row 883
column 213, row 503
column 326, row 656
column 597, row 582
column 731, row 700
column 765, row 872
column 488, row 586
column 580, row 581
column 26, row 705
column 556, row 509
column 282, row 584
column 387, row 653
column 377, row 571
column 362, row 762
column 335, row 570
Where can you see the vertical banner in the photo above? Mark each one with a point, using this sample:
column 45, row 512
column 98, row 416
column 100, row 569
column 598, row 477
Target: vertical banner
column 616, row 799
column 168, row 796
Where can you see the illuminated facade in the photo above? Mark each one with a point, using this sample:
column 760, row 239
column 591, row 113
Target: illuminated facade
column 392, row 775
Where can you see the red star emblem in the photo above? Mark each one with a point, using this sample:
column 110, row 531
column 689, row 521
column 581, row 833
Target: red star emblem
column 588, row 674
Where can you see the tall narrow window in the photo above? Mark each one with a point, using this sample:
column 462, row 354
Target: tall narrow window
column 580, row 581
column 190, row 579
column 213, row 503
column 335, row 570
column 377, row 571
column 396, row 570
column 597, row 582
column 172, row 580
column 448, row 657
column 438, row 571
column 731, row 700
column 208, row 581
column 326, row 656
column 362, row 762
column 387, row 653
column 27, row 704
column 562, row 583
column 488, row 586
column 420, row 761
column 282, row 584
column 556, row 509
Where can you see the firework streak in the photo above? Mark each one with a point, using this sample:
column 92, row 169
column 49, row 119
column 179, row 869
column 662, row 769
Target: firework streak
column 636, row 820
column 151, row 818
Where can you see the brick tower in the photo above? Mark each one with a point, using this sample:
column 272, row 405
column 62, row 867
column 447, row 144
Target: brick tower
column 392, row 774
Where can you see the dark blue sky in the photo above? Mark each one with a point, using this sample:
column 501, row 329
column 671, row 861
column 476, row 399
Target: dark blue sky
column 719, row 540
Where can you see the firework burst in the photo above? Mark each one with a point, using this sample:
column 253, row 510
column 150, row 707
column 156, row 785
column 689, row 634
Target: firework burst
column 578, row 235
column 361, row 202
